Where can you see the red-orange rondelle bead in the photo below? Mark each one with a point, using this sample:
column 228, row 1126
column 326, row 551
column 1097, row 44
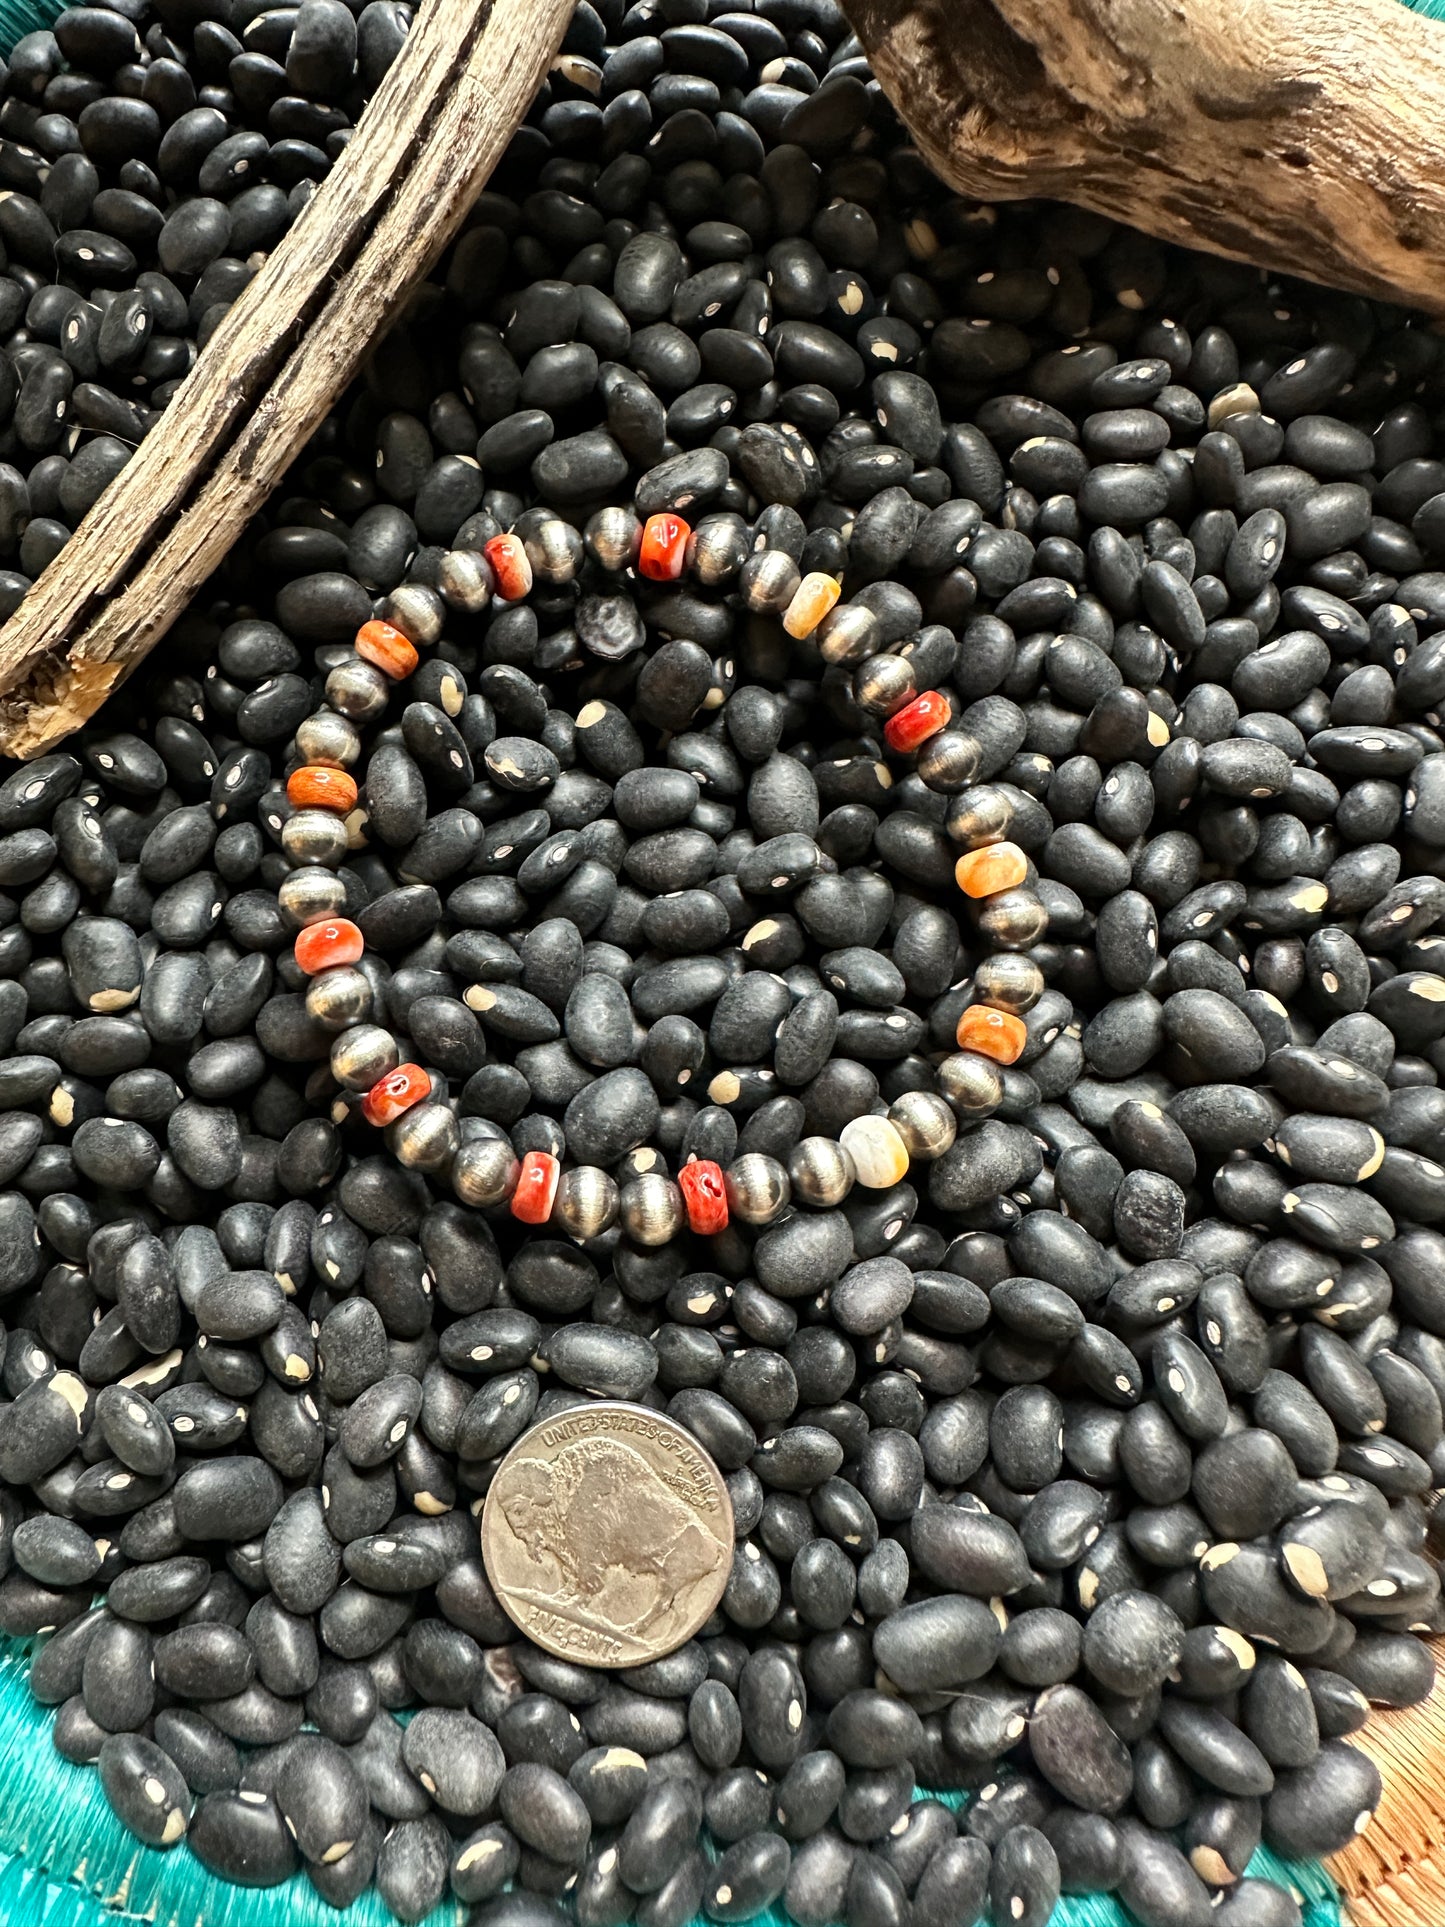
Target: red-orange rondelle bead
column 997, row 866
column 384, row 646
column 335, row 941
column 910, row 727
column 664, row 547
column 315, row 786
column 704, row 1196
column 389, row 1096
column 536, row 1190
column 511, row 565
column 992, row 1033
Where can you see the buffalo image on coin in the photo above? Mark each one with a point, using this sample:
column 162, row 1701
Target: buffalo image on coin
column 608, row 1535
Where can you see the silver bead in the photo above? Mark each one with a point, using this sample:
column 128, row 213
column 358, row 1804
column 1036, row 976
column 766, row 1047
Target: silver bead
column 466, row 581
column 651, row 1210
column 820, row 1171
column 417, row 611
column 358, row 689
column 971, row 1083
column 361, row 1055
column 339, row 998
column 948, row 762
column 718, row 548
column 848, row 634
column 925, row 1123
column 883, row 684
column 1014, row 919
column 613, row 538
column 328, row 739
column 425, row 1138
column 588, row 1202
column 315, row 838
column 484, row 1172
column 768, row 581
column 554, row 548
column 757, row 1187
column 311, row 896
column 1009, row 981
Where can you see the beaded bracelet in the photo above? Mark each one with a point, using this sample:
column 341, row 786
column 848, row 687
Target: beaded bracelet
column 421, row 1129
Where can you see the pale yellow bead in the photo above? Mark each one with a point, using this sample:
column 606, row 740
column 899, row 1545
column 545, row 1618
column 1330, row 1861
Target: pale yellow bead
column 880, row 1157
column 812, row 600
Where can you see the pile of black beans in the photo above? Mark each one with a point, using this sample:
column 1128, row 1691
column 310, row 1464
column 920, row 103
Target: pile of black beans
column 1091, row 1469
column 149, row 160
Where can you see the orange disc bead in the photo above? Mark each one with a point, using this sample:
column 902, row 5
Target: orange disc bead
column 992, row 1033
column 384, row 646
column 911, row 726
column 389, row 1096
column 663, row 554
column 813, row 599
column 511, row 565
column 336, row 941
column 536, row 1190
column 997, row 866
column 316, row 787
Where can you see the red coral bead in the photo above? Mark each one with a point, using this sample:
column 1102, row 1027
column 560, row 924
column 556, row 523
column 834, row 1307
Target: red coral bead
column 336, row 941
column 536, row 1190
column 389, row 1096
column 511, row 565
column 911, row 726
column 704, row 1196
column 316, row 786
column 384, row 645
column 664, row 547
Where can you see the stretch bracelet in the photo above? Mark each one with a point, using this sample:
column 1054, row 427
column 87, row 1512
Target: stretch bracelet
column 408, row 1104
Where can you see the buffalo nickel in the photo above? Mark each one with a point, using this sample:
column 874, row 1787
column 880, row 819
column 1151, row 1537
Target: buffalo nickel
column 608, row 1535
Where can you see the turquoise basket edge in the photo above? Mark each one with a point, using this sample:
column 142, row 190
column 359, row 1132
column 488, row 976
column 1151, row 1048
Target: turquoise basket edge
column 65, row 1861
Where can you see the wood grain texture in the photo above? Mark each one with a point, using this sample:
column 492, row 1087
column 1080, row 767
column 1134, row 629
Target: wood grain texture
column 426, row 144
column 1306, row 138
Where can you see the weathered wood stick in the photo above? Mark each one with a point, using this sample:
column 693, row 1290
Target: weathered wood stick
column 1305, row 138
column 268, row 376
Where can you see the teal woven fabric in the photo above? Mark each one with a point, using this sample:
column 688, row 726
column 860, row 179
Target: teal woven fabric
column 65, row 1861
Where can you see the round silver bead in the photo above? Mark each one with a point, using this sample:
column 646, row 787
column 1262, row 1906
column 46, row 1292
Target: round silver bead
column 466, row 581
column 314, row 838
column 757, row 1188
column 417, row 611
column 971, row 1083
column 484, row 1172
column 425, row 1138
column 1009, row 981
column 339, row 998
column 925, row 1122
column 328, row 739
column 361, row 1055
column 768, row 581
column 311, row 896
column 948, row 762
column 883, row 684
column 848, row 634
column 613, row 538
column 1014, row 919
column 358, row 690
column 820, row 1171
column 554, row 549
column 588, row 1202
column 718, row 547
column 651, row 1209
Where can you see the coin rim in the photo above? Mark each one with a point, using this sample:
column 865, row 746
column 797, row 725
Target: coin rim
column 630, row 1407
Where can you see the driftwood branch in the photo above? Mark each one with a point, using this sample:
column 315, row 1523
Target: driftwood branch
column 1303, row 137
column 424, row 147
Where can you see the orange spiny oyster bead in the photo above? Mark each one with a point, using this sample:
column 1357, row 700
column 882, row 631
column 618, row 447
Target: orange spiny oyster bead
column 917, row 721
column 511, row 565
column 704, row 1196
column 383, row 645
column 663, row 555
column 997, row 866
column 992, row 1033
column 812, row 600
column 389, row 1096
column 317, row 787
column 536, row 1190
column 336, row 941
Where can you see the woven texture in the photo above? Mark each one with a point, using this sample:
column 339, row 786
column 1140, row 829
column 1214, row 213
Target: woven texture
column 65, row 1861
